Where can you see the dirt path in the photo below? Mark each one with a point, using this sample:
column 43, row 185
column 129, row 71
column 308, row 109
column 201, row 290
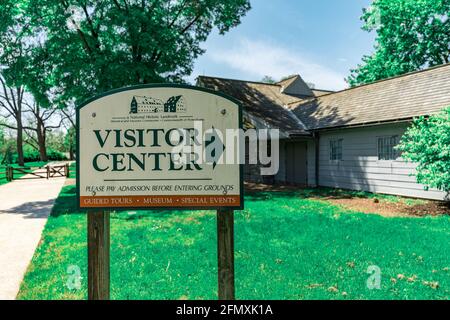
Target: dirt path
column 24, row 208
column 393, row 209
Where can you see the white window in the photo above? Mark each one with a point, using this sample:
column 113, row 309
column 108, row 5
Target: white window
column 386, row 148
column 336, row 149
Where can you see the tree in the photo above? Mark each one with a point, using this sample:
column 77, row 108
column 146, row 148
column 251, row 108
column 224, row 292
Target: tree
column 288, row 77
column 11, row 102
column 427, row 142
column 64, row 51
column 70, row 142
column 15, row 45
column 70, row 126
column 56, row 141
column 40, row 126
column 411, row 35
column 268, row 79
column 2, row 136
column 93, row 46
column 6, row 146
column 2, row 141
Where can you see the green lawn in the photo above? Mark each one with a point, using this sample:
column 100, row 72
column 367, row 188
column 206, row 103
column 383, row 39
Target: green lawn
column 288, row 246
column 28, row 165
column 73, row 170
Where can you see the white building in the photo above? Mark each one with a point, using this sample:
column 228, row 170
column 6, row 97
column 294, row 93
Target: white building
column 343, row 139
column 141, row 104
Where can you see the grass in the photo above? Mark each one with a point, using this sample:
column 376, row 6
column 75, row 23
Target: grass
column 73, row 171
column 287, row 246
column 16, row 174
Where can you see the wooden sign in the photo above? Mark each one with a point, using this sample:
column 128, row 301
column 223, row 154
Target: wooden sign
column 126, row 155
column 158, row 146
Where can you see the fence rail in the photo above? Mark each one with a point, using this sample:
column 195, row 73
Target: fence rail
column 36, row 172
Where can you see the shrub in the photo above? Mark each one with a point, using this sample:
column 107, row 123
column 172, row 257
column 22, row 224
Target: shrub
column 427, row 142
column 32, row 155
column 54, row 155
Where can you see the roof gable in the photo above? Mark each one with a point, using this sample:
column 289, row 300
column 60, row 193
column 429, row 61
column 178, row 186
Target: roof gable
column 296, row 86
column 262, row 100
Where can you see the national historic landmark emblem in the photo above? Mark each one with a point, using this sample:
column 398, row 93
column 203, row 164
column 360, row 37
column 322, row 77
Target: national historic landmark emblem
column 143, row 104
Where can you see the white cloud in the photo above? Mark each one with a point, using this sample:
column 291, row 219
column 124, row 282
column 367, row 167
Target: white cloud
column 258, row 58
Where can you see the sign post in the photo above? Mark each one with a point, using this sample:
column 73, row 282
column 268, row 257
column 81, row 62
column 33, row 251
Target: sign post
column 225, row 253
column 158, row 147
column 98, row 255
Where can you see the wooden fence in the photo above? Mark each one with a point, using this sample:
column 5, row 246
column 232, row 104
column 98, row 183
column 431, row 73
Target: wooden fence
column 5, row 173
column 37, row 172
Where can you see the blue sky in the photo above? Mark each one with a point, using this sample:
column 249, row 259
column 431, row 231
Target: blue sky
column 319, row 39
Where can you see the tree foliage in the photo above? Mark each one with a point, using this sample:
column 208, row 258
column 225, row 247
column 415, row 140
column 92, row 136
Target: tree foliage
column 84, row 47
column 268, row 79
column 6, row 146
column 70, row 142
column 427, row 142
column 2, row 138
column 411, row 35
column 64, row 51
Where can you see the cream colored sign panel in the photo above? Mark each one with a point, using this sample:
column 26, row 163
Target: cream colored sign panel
column 126, row 143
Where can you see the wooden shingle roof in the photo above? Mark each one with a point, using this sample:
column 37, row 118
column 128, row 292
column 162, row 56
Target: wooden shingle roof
column 320, row 92
column 263, row 100
column 400, row 98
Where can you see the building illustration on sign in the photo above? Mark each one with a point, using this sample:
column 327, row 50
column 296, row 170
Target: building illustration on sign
column 175, row 104
column 133, row 163
column 143, row 104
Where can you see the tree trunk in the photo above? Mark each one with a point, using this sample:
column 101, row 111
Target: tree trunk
column 71, row 153
column 19, row 141
column 71, row 145
column 41, row 141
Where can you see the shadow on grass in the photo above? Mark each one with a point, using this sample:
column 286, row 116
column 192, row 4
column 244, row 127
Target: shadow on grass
column 263, row 192
column 66, row 203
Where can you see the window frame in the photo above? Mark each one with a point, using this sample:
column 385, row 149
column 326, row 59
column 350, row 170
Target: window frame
column 336, row 145
column 389, row 153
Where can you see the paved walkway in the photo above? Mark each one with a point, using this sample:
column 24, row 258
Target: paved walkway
column 24, row 208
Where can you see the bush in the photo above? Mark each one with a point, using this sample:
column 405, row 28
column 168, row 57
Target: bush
column 28, row 156
column 54, row 155
column 427, row 142
column 32, row 155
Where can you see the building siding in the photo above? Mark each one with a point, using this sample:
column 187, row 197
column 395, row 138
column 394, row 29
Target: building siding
column 360, row 168
column 281, row 174
column 311, row 163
